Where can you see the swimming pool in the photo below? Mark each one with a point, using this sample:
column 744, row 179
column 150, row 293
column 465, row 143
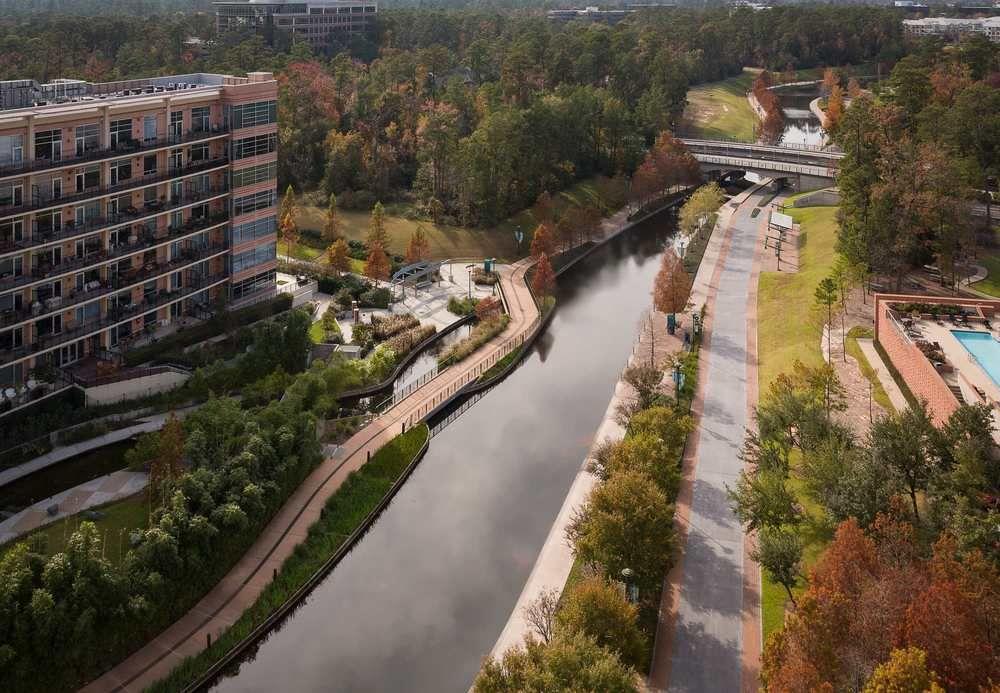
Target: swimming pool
column 984, row 349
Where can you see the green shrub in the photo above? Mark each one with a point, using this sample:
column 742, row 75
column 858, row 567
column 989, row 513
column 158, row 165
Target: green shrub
column 404, row 342
column 462, row 306
column 375, row 298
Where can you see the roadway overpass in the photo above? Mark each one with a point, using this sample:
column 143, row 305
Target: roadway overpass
column 801, row 166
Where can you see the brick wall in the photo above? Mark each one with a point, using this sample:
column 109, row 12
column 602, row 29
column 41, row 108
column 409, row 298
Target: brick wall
column 919, row 374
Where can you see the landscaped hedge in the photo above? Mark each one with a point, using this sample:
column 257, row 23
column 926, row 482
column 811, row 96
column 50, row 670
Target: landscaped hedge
column 480, row 335
column 219, row 324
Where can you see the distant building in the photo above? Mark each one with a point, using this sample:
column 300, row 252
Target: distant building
column 953, row 27
column 589, row 14
column 313, row 21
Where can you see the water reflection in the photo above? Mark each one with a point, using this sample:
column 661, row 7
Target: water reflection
column 801, row 126
column 424, row 596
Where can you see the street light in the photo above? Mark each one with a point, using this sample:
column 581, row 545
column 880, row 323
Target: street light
column 631, row 591
column 468, row 269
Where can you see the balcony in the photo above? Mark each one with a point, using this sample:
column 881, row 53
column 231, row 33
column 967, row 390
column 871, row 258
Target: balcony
column 48, row 201
column 143, row 242
column 123, row 149
column 131, row 215
column 120, row 315
column 103, row 287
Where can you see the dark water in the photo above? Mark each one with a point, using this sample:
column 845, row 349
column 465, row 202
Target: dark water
column 426, row 362
column 801, row 126
column 64, row 475
column 424, row 596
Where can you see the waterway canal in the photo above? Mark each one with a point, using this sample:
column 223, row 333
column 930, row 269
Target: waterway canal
column 801, row 126
column 425, row 594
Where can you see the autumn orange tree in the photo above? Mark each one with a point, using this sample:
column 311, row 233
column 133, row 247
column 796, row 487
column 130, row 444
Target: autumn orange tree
column 290, row 232
column 377, row 266
column 672, row 286
column 834, row 107
column 419, row 247
column 542, row 242
column 338, row 257
column 488, row 308
column 544, row 280
column 376, row 228
column 168, row 464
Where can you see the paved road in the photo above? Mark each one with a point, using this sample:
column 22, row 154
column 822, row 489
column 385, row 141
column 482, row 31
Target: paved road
column 707, row 638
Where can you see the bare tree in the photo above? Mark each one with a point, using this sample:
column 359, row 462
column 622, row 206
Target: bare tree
column 541, row 614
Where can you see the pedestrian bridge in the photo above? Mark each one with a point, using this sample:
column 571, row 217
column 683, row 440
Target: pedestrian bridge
column 802, row 166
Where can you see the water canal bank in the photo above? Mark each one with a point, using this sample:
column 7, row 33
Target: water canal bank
column 420, row 601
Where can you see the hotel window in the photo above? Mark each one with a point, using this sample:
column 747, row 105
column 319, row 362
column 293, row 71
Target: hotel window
column 176, row 159
column 11, row 150
column 176, row 124
column 48, row 145
column 121, row 133
column 87, row 212
column 253, row 257
column 176, row 220
column 252, row 230
column 199, row 152
column 200, row 119
column 176, row 188
column 200, row 184
column 11, row 195
column 12, row 267
column 253, row 284
column 175, row 281
column 254, row 146
column 253, row 114
column 119, row 237
column 48, row 222
column 149, row 128
column 252, row 203
column 121, row 170
column 149, row 165
column 87, row 313
column 11, row 232
column 89, row 178
column 88, row 139
column 255, row 174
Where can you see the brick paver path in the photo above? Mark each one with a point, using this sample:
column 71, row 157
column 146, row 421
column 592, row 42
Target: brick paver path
column 224, row 604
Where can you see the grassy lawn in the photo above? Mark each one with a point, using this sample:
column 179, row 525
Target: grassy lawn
column 445, row 241
column 990, row 285
column 878, row 392
column 786, row 332
column 316, row 332
column 120, row 518
column 719, row 110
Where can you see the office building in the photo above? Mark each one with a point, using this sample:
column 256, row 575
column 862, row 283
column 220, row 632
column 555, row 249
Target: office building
column 127, row 208
column 953, row 28
column 318, row 22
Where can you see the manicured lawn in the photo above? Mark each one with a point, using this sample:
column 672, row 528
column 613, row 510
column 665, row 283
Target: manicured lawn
column 316, row 332
column 719, row 110
column 990, row 285
column 120, row 518
column 786, row 332
column 445, row 241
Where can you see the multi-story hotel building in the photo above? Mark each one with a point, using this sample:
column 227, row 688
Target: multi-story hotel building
column 953, row 27
column 313, row 21
column 126, row 206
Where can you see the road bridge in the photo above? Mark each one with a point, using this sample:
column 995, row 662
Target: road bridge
column 800, row 166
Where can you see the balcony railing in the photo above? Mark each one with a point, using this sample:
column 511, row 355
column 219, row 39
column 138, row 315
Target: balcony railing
column 131, row 215
column 122, row 149
column 130, row 279
column 144, row 241
column 114, row 317
column 46, row 201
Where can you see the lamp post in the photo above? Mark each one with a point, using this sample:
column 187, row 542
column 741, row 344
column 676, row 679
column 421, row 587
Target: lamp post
column 631, row 591
column 468, row 269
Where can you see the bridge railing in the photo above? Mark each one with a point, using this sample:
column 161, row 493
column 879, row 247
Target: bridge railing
column 689, row 140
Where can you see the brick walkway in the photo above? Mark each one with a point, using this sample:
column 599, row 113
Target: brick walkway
column 225, row 603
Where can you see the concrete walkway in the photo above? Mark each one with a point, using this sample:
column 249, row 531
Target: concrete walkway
column 105, row 489
column 226, row 602
column 709, row 602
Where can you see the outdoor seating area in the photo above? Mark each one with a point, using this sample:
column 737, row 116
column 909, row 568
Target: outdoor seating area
column 959, row 339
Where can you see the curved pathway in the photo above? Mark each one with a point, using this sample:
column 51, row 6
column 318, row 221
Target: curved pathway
column 708, row 638
column 225, row 603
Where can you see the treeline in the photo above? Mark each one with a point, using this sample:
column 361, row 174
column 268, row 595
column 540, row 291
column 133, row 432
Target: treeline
column 912, row 571
column 918, row 153
column 471, row 111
